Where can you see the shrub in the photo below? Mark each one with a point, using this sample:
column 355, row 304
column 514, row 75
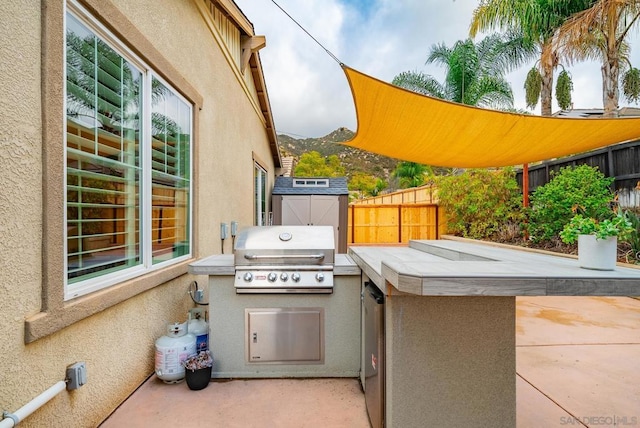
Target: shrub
column 583, row 190
column 634, row 237
column 479, row 202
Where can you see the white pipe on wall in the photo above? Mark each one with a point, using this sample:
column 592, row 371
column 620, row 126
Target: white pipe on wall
column 32, row 405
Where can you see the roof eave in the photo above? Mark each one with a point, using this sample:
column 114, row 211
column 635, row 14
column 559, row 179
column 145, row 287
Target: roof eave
column 263, row 98
column 234, row 13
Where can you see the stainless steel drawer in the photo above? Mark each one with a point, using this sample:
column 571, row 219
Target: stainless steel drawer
column 284, row 335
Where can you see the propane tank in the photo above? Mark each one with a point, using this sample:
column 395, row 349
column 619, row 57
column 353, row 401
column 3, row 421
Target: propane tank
column 199, row 327
column 172, row 350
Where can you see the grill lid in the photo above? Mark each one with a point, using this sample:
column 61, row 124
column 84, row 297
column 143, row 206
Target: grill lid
column 285, row 245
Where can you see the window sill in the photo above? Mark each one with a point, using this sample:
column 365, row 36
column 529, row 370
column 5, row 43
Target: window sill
column 46, row 323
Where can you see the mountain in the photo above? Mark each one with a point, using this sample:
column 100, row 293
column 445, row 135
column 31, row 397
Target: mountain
column 353, row 160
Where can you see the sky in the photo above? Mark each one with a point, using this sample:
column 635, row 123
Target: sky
column 308, row 91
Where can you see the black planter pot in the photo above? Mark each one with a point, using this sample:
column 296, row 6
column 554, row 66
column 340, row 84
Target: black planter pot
column 198, row 379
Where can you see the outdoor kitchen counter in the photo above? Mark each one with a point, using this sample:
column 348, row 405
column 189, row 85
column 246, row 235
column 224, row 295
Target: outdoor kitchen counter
column 452, row 268
column 449, row 324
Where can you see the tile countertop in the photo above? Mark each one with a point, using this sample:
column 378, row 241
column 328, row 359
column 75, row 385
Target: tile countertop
column 453, row 268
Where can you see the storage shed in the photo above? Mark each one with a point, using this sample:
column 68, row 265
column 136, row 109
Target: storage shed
column 313, row 201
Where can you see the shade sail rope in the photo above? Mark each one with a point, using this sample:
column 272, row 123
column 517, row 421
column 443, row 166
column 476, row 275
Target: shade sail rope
column 335, row 58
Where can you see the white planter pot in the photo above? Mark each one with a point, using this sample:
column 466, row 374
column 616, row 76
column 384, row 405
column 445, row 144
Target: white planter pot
column 599, row 254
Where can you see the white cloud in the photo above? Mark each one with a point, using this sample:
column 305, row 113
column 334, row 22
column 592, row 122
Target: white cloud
column 308, row 91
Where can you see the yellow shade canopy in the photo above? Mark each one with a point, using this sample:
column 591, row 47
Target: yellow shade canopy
column 402, row 124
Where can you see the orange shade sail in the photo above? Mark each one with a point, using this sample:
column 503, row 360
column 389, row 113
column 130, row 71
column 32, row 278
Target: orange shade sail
column 402, row 124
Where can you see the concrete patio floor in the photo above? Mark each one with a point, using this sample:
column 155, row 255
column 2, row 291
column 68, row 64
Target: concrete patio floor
column 578, row 364
column 578, row 359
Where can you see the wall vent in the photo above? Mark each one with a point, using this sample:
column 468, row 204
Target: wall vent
column 310, row 182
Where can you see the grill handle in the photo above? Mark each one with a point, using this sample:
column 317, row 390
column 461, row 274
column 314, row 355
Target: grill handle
column 283, row 256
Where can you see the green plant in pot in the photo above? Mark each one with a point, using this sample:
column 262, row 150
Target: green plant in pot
column 597, row 239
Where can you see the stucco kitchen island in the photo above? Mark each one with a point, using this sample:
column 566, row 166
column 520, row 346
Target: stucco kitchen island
column 450, row 324
column 230, row 338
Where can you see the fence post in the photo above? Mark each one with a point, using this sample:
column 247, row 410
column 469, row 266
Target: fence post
column 612, row 172
column 400, row 222
column 353, row 224
column 437, row 222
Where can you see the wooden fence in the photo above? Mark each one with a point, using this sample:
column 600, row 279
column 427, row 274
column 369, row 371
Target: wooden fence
column 415, row 195
column 394, row 223
column 620, row 161
column 395, row 218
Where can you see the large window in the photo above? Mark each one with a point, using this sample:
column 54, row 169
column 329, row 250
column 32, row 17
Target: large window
column 260, row 195
column 128, row 162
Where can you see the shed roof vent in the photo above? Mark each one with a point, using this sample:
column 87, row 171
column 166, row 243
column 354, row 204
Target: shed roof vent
column 310, row 182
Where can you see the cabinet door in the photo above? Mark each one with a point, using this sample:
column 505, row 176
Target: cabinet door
column 285, row 335
column 296, row 210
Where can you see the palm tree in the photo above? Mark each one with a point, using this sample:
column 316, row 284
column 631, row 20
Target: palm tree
column 537, row 20
column 599, row 33
column 411, row 174
column 475, row 74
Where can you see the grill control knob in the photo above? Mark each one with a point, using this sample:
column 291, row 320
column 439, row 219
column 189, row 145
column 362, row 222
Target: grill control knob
column 295, row 277
column 248, row 276
column 284, row 277
column 319, row 277
column 272, row 277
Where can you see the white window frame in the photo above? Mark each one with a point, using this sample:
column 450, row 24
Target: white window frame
column 72, row 291
column 260, row 218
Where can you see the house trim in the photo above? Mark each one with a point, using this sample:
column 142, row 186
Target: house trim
column 208, row 19
column 230, row 9
column 259, row 161
column 261, row 106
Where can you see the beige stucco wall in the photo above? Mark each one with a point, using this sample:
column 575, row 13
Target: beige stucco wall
column 436, row 375
column 117, row 344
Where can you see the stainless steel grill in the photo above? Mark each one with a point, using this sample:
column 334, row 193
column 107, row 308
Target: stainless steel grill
column 284, row 259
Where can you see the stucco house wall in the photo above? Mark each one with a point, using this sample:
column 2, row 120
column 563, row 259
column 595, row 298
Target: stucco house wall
column 112, row 330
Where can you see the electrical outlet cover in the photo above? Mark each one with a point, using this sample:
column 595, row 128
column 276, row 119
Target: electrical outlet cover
column 76, row 375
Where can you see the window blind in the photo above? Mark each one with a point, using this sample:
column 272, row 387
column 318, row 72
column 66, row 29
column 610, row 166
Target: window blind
column 103, row 176
column 128, row 140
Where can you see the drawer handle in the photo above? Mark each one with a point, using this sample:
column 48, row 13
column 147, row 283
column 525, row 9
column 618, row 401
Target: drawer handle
column 283, row 256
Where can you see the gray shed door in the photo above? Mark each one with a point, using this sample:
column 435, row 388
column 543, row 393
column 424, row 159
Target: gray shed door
column 319, row 210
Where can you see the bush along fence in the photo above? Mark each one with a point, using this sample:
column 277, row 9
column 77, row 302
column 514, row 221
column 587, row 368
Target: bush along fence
column 620, row 161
